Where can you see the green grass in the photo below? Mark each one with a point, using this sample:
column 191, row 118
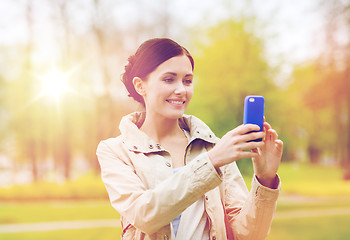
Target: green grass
column 308, row 228
column 310, row 180
column 55, row 211
column 313, row 180
column 313, row 228
column 83, row 234
column 296, row 203
column 304, row 188
column 333, row 227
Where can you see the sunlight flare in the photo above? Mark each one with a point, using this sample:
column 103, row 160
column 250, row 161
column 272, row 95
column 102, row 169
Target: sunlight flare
column 55, row 84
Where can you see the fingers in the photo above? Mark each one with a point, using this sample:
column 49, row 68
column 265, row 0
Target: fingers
column 252, row 136
column 244, row 133
column 250, row 145
column 231, row 149
column 245, row 128
column 279, row 145
column 253, row 146
column 248, row 155
column 271, row 135
column 267, row 126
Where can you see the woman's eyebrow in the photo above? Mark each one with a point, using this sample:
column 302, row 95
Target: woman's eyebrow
column 175, row 74
column 170, row 73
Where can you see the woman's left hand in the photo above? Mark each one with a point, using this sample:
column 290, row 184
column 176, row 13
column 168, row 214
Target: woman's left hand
column 269, row 158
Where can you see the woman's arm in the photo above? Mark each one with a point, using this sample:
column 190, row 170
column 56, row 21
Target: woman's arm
column 250, row 214
column 249, row 217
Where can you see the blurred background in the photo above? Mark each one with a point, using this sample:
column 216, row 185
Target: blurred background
column 60, row 94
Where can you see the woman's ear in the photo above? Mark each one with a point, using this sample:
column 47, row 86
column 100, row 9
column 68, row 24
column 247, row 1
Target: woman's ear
column 139, row 86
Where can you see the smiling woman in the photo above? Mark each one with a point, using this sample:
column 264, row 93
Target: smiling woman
column 168, row 175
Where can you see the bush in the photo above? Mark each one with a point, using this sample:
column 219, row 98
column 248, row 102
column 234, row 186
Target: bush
column 88, row 186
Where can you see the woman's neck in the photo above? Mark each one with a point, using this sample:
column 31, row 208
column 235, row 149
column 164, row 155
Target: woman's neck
column 159, row 128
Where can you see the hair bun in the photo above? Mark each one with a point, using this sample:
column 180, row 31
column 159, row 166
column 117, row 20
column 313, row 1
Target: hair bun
column 127, row 79
column 129, row 66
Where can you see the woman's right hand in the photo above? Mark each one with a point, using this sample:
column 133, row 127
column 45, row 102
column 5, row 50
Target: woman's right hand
column 234, row 145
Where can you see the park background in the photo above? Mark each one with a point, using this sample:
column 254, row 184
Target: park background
column 60, row 94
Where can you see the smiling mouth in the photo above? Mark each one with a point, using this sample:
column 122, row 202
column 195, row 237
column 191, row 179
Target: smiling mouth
column 175, row 102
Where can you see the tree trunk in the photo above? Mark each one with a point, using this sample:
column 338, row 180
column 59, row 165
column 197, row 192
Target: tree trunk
column 67, row 156
column 314, row 154
column 33, row 159
column 347, row 118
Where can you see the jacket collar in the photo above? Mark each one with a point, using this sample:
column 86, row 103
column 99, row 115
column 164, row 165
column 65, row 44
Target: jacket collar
column 137, row 141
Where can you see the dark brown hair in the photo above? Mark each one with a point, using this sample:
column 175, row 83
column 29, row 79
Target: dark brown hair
column 147, row 58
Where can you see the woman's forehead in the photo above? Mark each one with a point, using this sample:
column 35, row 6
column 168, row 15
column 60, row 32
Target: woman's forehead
column 175, row 65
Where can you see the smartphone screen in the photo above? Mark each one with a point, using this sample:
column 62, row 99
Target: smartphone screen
column 254, row 111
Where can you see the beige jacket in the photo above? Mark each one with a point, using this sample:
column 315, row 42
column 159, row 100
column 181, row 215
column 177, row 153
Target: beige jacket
column 142, row 187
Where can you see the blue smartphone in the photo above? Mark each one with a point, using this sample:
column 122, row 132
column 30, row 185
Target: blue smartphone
column 254, row 111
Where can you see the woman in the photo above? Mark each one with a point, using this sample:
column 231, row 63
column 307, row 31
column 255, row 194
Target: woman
column 169, row 176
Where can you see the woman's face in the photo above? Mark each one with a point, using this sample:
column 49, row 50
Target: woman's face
column 169, row 88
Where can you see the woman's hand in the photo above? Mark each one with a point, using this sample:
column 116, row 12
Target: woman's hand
column 268, row 158
column 266, row 155
column 234, row 145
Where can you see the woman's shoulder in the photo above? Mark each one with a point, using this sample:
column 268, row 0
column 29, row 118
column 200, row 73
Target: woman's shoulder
column 111, row 143
column 113, row 140
column 128, row 127
column 197, row 127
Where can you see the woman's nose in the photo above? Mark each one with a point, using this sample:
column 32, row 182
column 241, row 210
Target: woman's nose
column 180, row 88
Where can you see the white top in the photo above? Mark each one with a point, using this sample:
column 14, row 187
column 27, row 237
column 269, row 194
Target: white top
column 192, row 223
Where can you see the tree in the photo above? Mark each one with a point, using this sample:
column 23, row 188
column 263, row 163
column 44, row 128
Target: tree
column 336, row 68
column 320, row 90
column 230, row 64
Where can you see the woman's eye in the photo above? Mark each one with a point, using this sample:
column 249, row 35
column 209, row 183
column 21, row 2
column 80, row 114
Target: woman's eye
column 188, row 81
column 168, row 80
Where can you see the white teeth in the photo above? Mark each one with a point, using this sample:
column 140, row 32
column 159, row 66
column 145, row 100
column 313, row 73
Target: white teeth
column 176, row 102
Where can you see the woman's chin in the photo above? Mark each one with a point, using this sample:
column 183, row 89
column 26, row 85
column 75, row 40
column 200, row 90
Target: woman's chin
column 175, row 114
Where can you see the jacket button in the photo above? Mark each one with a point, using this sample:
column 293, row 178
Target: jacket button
column 206, row 198
column 158, row 146
column 150, row 146
column 135, row 147
column 168, row 164
column 210, row 135
column 198, row 132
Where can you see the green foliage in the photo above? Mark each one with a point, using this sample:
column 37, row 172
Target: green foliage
column 230, row 64
column 86, row 187
column 245, row 166
column 315, row 124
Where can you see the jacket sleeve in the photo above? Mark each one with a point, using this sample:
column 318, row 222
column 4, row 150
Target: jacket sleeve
column 151, row 209
column 249, row 214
